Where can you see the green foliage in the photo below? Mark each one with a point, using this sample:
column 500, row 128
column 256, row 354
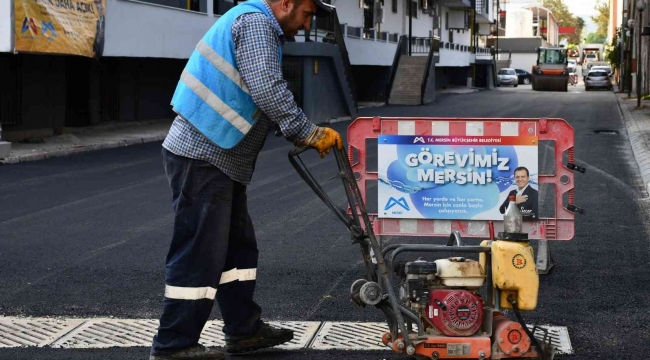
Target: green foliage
column 565, row 18
column 593, row 38
column 613, row 55
column 601, row 19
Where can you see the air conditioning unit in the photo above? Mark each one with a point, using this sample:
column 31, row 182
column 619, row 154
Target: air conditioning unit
column 378, row 14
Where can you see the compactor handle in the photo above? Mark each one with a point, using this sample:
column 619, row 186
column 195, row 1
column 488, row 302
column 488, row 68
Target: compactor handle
column 298, row 150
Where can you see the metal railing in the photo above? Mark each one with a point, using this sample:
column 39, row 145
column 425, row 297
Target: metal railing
column 482, row 7
column 340, row 42
column 401, row 50
column 419, row 45
column 433, row 49
column 354, row 31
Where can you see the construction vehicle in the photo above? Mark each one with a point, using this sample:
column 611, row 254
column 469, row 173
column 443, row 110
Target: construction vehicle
column 448, row 308
column 591, row 52
column 550, row 73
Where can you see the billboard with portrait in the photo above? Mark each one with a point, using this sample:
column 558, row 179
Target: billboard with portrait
column 456, row 177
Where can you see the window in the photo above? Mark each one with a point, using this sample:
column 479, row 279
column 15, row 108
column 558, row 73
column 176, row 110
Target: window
column 598, row 74
column 414, row 9
column 551, row 56
column 394, row 6
column 507, row 72
column 446, row 21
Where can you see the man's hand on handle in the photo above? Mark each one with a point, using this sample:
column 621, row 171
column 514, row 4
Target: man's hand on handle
column 521, row 199
column 322, row 139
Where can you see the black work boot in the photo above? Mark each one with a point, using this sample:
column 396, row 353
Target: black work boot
column 198, row 352
column 266, row 336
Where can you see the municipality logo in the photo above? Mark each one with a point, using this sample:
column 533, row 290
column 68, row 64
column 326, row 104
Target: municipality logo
column 28, row 24
column 401, row 202
column 45, row 27
column 418, row 139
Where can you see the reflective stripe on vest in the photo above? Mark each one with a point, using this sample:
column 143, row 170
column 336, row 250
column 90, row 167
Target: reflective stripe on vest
column 211, row 94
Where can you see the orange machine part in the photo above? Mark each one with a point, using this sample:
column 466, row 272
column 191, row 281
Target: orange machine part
column 446, row 347
column 549, row 71
column 552, row 71
column 510, row 336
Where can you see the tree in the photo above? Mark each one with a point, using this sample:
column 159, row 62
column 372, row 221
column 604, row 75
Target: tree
column 564, row 17
column 601, row 19
column 594, row 38
column 561, row 12
column 613, row 55
column 580, row 27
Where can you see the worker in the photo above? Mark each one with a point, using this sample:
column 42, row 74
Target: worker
column 230, row 94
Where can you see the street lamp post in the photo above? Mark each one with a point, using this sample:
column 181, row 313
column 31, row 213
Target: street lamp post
column 630, row 26
column 640, row 5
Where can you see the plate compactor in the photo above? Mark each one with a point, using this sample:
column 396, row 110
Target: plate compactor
column 444, row 308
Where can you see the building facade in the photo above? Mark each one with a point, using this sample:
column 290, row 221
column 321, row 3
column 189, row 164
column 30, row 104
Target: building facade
column 524, row 26
column 330, row 68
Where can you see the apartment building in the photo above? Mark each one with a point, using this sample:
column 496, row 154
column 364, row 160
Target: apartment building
column 524, row 26
column 347, row 58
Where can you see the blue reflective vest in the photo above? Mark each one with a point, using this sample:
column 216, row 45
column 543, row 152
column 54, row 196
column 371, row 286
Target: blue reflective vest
column 211, row 95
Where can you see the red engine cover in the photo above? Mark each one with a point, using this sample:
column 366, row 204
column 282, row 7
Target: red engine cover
column 455, row 312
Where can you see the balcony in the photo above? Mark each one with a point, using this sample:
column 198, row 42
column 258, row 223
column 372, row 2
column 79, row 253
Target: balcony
column 462, row 55
column 170, row 32
column 483, row 13
column 365, row 47
column 456, row 4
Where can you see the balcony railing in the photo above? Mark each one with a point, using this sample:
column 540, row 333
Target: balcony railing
column 420, row 45
column 482, row 7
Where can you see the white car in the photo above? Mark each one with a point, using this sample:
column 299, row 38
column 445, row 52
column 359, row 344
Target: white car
column 590, row 57
column 607, row 69
column 507, row 76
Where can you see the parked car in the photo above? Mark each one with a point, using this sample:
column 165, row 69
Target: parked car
column 590, row 58
column 507, row 76
column 523, row 76
column 606, row 68
column 598, row 79
column 587, row 67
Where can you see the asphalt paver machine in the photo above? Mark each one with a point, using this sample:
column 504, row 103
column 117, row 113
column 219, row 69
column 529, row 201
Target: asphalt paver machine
column 448, row 303
column 550, row 73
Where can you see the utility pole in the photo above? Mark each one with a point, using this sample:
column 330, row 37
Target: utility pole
column 410, row 24
column 640, row 6
column 498, row 25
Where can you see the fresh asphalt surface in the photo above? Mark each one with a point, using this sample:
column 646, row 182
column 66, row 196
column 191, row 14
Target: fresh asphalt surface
column 87, row 235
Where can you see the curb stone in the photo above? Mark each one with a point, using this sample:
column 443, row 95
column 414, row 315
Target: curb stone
column 81, row 148
column 640, row 147
column 76, row 149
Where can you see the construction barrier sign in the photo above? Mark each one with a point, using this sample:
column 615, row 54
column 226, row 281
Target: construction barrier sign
column 74, row 27
column 457, row 177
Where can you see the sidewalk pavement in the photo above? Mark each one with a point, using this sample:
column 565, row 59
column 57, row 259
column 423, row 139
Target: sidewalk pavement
column 105, row 136
column 637, row 121
column 77, row 140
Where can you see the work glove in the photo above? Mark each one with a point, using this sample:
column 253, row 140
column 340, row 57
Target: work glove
column 322, row 139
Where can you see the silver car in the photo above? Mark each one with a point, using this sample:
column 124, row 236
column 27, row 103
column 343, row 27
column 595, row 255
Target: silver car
column 598, row 79
column 507, row 76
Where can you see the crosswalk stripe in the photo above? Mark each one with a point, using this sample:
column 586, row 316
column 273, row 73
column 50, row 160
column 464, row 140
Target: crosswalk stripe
column 97, row 333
